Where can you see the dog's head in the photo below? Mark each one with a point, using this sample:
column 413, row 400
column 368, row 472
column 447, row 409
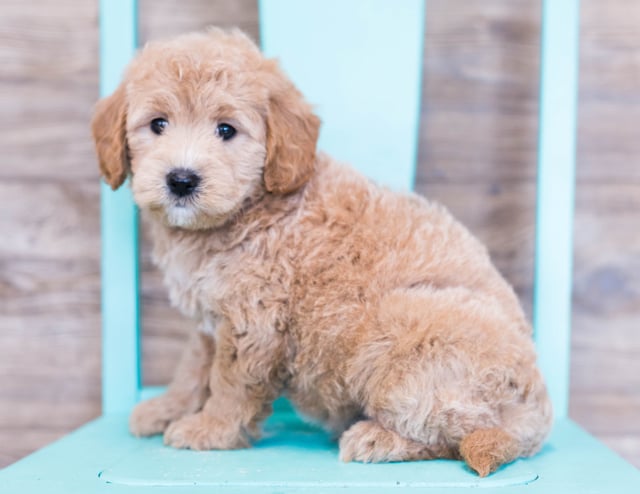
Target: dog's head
column 202, row 124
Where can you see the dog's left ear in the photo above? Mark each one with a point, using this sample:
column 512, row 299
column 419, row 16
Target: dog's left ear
column 108, row 127
column 292, row 133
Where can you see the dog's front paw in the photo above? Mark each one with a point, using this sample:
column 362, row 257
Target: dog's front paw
column 201, row 432
column 153, row 416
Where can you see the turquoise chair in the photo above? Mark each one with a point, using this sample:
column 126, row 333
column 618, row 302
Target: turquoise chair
column 346, row 39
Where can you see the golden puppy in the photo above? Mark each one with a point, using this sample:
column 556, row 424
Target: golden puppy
column 375, row 313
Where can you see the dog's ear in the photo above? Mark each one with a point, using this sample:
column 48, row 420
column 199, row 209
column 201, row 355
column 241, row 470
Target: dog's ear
column 292, row 133
column 108, row 127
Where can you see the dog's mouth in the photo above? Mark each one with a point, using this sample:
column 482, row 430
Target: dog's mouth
column 176, row 211
column 187, row 213
column 181, row 213
column 184, row 202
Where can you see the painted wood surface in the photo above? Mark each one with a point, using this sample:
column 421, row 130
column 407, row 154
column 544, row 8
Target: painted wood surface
column 477, row 155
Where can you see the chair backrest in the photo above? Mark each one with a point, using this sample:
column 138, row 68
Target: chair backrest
column 359, row 62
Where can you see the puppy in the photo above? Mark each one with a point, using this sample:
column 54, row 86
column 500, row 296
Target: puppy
column 376, row 313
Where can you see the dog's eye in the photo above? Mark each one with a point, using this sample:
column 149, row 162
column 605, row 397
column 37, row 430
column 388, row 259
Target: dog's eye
column 225, row 131
column 158, row 125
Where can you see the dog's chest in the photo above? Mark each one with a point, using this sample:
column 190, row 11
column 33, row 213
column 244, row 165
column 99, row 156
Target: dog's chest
column 247, row 290
column 188, row 269
column 195, row 282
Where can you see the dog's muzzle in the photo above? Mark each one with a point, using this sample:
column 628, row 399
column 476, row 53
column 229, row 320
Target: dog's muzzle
column 182, row 182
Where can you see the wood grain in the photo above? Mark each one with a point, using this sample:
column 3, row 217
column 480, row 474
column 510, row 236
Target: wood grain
column 609, row 104
column 50, row 220
column 477, row 156
column 605, row 370
column 50, row 341
column 49, row 224
column 48, row 85
column 479, row 112
column 165, row 18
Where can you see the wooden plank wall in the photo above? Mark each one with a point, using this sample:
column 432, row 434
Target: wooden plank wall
column 477, row 155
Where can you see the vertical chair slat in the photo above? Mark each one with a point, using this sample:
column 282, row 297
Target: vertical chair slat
column 555, row 202
column 119, row 228
column 360, row 63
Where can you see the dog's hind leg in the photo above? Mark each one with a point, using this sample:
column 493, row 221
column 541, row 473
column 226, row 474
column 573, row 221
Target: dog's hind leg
column 368, row 442
column 447, row 366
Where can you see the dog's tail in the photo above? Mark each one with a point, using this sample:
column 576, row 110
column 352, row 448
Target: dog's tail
column 524, row 428
column 484, row 450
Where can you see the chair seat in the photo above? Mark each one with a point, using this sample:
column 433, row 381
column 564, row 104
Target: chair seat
column 297, row 457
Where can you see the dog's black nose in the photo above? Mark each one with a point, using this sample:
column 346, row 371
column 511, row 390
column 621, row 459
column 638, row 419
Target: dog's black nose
column 182, row 182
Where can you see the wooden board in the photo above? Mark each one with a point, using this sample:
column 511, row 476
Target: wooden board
column 608, row 147
column 48, row 85
column 479, row 112
column 164, row 18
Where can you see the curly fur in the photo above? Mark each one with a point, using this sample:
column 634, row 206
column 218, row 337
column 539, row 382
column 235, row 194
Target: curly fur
column 376, row 313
